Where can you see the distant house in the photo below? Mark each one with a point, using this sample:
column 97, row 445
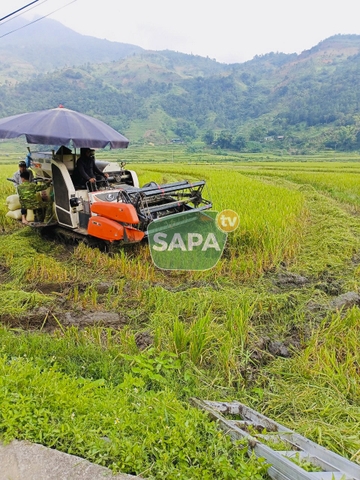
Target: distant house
column 269, row 139
column 176, row 140
column 280, row 137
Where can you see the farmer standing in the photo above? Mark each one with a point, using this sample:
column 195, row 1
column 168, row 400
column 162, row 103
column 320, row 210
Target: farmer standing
column 27, row 192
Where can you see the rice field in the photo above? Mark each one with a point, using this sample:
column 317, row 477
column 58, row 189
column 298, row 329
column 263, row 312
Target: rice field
column 274, row 325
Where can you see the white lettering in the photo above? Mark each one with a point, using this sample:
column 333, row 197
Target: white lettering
column 232, row 221
column 223, row 220
column 177, row 242
column 158, row 239
column 194, row 240
column 211, row 242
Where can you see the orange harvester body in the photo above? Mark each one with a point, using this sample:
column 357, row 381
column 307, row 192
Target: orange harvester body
column 105, row 224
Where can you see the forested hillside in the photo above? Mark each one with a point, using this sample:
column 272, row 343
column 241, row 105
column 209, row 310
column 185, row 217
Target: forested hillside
column 297, row 103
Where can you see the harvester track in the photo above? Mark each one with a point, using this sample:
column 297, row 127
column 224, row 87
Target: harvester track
column 69, row 237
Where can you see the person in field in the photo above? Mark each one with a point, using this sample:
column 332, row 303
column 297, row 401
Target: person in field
column 86, row 169
column 22, row 168
column 27, row 192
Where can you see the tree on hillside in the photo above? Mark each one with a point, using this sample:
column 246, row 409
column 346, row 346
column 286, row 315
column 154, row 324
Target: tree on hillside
column 208, row 137
column 224, row 139
column 185, row 130
column 239, row 143
column 258, row 133
column 344, row 138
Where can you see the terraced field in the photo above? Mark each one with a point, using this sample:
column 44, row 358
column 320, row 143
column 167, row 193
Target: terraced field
column 98, row 346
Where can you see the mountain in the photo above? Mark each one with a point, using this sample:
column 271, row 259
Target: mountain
column 47, row 45
column 298, row 103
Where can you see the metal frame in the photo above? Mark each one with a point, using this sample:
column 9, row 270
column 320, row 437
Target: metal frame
column 334, row 466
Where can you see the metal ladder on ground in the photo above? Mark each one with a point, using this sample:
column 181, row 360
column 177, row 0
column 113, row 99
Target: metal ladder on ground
column 276, row 444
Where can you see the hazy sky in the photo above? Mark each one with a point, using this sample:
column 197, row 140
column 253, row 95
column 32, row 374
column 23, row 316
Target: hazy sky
column 228, row 30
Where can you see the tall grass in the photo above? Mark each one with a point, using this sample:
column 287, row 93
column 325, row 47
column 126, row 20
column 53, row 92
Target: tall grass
column 317, row 393
column 339, row 180
column 29, row 260
column 104, row 423
column 206, row 327
column 271, row 217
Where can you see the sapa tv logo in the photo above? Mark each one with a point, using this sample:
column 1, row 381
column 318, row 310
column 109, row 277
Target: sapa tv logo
column 186, row 241
column 227, row 220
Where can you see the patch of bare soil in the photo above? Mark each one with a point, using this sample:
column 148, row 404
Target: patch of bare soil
column 4, row 272
column 266, row 349
column 290, row 279
column 339, row 303
column 345, row 301
column 52, row 287
column 144, row 340
column 51, row 319
column 329, row 285
column 64, row 313
column 85, row 319
column 187, row 286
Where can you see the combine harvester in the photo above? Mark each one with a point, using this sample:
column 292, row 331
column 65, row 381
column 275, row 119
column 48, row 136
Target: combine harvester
column 115, row 209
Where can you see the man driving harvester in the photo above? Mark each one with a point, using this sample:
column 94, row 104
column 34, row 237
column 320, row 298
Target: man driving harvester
column 86, row 169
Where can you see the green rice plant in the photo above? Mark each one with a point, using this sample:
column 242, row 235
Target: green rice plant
column 305, row 464
column 336, row 357
column 331, row 231
column 200, row 336
column 127, row 341
column 234, row 343
column 59, row 324
column 42, row 268
column 180, row 337
column 316, row 393
column 122, row 262
column 271, row 217
column 99, row 336
column 181, row 321
column 343, row 186
column 91, row 257
column 227, row 360
column 115, row 295
column 238, row 325
column 90, row 297
column 327, row 225
column 75, row 294
column 114, row 399
column 29, row 259
column 18, row 302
